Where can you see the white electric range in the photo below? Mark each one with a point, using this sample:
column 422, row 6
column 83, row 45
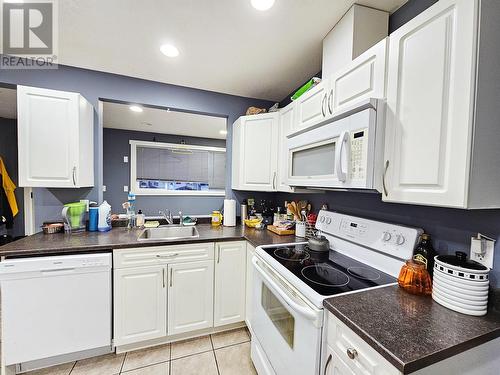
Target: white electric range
column 290, row 282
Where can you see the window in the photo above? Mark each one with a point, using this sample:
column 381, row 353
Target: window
column 176, row 169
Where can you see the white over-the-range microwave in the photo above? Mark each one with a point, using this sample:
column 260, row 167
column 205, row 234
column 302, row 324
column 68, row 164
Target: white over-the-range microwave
column 345, row 152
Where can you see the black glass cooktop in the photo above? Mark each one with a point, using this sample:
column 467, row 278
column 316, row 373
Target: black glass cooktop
column 330, row 272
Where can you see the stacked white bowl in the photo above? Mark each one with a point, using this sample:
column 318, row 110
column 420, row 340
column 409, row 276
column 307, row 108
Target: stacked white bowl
column 461, row 285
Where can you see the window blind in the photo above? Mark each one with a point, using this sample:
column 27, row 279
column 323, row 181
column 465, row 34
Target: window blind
column 182, row 165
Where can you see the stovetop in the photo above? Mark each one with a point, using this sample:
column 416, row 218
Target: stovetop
column 328, row 273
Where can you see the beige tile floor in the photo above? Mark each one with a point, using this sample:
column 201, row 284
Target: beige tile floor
column 225, row 353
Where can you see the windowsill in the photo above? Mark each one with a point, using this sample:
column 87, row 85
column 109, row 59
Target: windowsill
column 177, row 193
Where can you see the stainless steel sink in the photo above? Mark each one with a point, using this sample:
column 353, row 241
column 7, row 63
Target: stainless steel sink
column 174, row 232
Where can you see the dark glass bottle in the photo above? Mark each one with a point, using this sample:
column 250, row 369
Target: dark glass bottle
column 425, row 253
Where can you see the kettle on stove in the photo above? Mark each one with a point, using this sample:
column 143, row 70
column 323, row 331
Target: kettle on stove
column 318, row 243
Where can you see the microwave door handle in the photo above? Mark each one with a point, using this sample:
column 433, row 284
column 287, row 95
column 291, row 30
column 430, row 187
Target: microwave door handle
column 344, row 138
column 304, row 311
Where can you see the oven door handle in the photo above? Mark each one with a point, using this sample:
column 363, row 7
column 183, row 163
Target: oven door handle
column 304, row 311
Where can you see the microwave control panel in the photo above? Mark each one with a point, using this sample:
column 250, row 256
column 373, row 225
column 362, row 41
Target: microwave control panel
column 359, row 142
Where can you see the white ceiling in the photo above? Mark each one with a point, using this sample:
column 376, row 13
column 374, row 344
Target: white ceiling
column 8, row 103
column 225, row 45
column 154, row 120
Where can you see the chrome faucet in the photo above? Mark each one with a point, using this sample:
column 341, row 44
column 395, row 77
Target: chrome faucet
column 181, row 219
column 167, row 215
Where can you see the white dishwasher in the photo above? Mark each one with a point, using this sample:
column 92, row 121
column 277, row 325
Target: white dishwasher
column 55, row 305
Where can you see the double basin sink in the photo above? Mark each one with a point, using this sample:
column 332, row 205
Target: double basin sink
column 169, row 232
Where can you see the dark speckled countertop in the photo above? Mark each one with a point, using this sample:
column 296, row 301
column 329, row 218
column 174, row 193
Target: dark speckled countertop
column 44, row 244
column 411, row 332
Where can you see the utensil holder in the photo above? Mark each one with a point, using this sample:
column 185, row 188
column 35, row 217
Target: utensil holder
column 300, row 229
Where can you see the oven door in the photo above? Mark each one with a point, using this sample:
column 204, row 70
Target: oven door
column 339, row 154
column 287, row 328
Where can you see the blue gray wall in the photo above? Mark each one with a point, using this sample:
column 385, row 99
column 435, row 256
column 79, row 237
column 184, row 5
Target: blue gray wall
column 117, row 174
column 95, row 85
column 450, row 229
column 407, row 12
column 8, row 151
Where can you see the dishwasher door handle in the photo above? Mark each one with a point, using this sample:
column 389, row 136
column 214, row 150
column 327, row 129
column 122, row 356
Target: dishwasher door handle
column 54, row 271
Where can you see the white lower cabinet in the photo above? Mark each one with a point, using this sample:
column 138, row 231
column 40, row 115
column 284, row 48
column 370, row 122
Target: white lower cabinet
column 140, row 304
column 347, row 353
column 190, row 296
column 161, row 291
column 249, row 284
column 230, row 269
column 334, row 365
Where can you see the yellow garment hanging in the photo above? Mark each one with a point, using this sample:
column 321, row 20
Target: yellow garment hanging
column 8, row 187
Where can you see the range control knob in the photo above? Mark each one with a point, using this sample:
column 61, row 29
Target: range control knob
column 328, row 220
column 400, row 239
column 386, row 237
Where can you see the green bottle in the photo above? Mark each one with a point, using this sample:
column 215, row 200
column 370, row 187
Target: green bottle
column 425, row 253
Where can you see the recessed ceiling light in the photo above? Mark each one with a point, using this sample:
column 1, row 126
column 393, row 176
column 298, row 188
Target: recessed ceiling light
column 262, row 4
column 135, row 108
column 223, row 132
column 169, row 50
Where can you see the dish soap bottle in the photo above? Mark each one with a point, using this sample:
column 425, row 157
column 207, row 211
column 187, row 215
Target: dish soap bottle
column 216, row 218
column 140, row 219
column 425, row 253
column 104, row 217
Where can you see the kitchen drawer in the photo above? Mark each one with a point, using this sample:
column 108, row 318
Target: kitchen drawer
column 154, row 255
column 366, row 360
column 334, row 365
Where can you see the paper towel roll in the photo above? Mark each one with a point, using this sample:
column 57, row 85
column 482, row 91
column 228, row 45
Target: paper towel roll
column 229, row 212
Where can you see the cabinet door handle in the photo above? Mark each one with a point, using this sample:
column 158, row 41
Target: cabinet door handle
column 163, row 276
column 327, row 364
column 167, row 256
column 171, row 277
column 383, row 177
column 352, row 353
column 323, row 105
column 218, row 255
column 274, row 181
column 74, row 176
column 330, row 102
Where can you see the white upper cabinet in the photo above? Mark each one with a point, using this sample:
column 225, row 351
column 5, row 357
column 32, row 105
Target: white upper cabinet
column 363, row 78
column 358, row 30
column 254, row 153
column 55, row 138
column 311, row 107
column 190, row 296
column 230, row 280
column 286, row 118
column 434, row 138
